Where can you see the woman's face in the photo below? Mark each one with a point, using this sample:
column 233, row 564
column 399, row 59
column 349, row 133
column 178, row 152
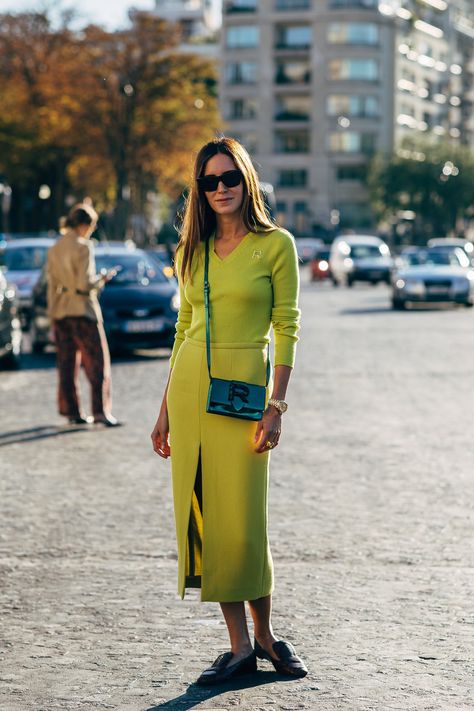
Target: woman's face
column 224, row 200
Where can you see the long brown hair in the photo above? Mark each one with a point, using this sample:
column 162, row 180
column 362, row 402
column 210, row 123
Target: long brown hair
column 199, row 220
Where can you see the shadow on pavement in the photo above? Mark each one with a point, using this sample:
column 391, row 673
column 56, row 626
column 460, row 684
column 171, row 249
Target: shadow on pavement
column 388, row 310
column 47, row 361
column 195, row 695
column 35, row 433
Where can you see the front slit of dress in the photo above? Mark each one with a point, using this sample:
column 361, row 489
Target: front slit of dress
column 195, row 530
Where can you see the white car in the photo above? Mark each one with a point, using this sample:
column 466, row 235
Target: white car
column 434, row 275
column 360, row 258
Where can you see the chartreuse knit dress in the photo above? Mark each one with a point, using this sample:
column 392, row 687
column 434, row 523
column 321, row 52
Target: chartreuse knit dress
column 220, row 484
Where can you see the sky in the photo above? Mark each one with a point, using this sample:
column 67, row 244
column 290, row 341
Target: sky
column 110, row 13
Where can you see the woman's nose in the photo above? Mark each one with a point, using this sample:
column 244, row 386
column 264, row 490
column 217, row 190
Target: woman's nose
column 221, row 188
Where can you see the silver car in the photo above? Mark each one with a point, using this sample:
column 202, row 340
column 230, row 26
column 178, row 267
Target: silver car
column 23, row 260
column 433, row 276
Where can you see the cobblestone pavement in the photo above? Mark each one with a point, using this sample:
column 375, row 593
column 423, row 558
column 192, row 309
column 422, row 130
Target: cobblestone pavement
column 371, row 528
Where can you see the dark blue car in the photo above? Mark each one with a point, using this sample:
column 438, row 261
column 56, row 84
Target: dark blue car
column 140, row 304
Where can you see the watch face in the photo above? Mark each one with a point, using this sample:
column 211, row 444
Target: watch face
column 284, row 406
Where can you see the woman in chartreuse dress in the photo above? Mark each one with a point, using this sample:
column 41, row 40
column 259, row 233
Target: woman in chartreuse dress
column 220, row 464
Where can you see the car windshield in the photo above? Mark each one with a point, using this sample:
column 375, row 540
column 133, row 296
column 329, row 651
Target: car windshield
column 24, row 259
column 443, row 257
column 435, row 257
column 362, row 251
column 134, row 269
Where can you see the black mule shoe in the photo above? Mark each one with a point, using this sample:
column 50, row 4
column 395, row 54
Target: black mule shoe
column 80, row 420
column 220, row 672
column 288, row 663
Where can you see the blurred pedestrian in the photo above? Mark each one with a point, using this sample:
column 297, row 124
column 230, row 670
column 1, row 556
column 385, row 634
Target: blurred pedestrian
column 238, row 275
column 73, row 306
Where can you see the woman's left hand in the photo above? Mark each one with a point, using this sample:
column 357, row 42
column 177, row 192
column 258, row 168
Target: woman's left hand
column 268, row 430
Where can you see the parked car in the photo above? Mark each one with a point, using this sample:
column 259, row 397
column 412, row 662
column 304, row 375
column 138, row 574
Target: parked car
column 307, row 248
column 433, row 276
column 24, row 259
column 139, row 305
column 360, row 258
column 163, row 260
column 10, row 326
column 320, row 265
column 452, row 243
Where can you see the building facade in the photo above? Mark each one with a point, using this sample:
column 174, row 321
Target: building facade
column 199, row 22
column 314, row 88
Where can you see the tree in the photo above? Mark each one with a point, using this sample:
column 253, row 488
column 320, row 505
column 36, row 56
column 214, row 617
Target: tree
column 432, row 183
column 113, row 115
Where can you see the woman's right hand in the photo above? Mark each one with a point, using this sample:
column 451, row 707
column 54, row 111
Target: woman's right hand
column 160, row 435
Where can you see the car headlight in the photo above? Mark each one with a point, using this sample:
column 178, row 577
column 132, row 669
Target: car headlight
column 348, row 263
column 175, row 302
column 323, row 265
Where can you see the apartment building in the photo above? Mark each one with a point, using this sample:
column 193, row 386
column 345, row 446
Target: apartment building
column 314, row 87
column 199, row 21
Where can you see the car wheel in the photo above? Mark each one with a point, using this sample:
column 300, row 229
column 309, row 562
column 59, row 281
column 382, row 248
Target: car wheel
column 468, row 304
column 398, row 305
column 11, row 361
column 38, row 347
column 349, row 282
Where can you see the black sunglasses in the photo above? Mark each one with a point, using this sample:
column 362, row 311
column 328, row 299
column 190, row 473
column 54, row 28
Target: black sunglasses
column 209, row 183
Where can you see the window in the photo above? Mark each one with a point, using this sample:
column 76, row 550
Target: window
column 294, row 37
column 292, row 4
column 292, row 141
column 242, row 108
column 300, row 210
column 244, row 36
column 353, row 33
column 293, row 73
column 354, row 215
column 351, row 172
column 293, row 108
column 292, row 178
column 281, row 213
column 358, row 106
column 249, row 140
column 362, row 69
column 240, row 6
column 241, row 73
column 352, row 142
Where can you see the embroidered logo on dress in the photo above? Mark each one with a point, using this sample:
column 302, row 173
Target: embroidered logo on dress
column 257, row 253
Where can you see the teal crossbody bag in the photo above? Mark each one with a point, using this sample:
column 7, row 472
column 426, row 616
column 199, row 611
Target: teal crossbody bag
column 232, row 398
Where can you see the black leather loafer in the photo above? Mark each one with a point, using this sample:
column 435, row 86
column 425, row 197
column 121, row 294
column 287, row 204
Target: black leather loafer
column 219, row 672
column 288, row 662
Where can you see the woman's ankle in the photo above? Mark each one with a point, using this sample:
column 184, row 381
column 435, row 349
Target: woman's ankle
column 265, row 639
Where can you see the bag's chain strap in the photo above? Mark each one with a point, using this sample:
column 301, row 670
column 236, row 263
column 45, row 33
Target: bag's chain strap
column 207, row 308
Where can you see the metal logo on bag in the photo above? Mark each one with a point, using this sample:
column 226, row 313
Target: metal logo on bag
column 238, row 391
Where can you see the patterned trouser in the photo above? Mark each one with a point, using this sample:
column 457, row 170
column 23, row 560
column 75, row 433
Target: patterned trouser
column 81, row 340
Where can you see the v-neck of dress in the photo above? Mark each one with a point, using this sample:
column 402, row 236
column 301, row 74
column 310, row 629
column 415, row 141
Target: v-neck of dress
column 229, row 256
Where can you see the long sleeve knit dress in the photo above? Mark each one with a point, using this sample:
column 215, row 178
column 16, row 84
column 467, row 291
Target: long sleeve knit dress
column 220, row 483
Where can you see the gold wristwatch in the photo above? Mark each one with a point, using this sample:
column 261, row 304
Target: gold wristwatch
column 280, row 405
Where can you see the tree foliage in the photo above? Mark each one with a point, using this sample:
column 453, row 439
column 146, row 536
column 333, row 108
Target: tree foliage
column 113, row 115
column 432, row 180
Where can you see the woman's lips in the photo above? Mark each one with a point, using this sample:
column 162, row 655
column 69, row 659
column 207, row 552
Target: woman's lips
column 224, row 199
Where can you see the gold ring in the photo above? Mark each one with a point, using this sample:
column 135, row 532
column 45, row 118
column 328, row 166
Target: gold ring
column 269, row 444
